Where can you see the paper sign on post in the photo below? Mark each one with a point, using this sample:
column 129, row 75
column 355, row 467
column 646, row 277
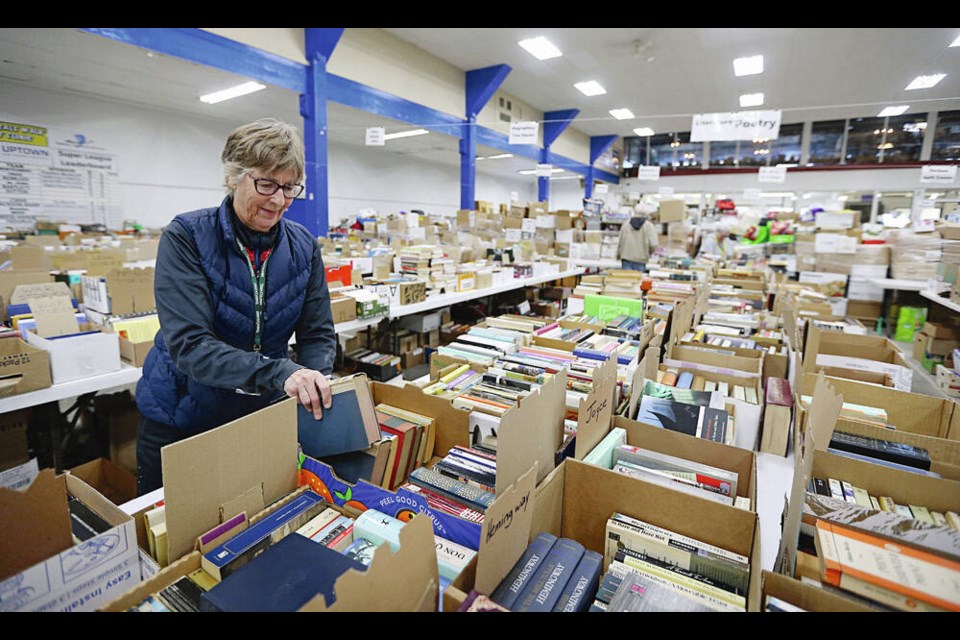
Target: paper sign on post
column 513, row 235
column 528, row 225
column 375, row 137
column 666, row 192
column 544, row 170
column 514, row 196
column 524, row 132
column 593, row 417
column 938, row 174
column 772, row 174
column 648, row 173
column 601, row 188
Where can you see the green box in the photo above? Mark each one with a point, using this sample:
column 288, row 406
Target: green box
column 909, row 321
column 609, row 307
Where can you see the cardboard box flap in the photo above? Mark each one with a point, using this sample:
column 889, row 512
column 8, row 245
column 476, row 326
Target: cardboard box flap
column 10, row 278
column 808, row 597
column 452, row 425
column 532, row 432
column 131, row 291
column 595, row 411
column 394, row 582
column 825, row 408
column 30, row 257
column 506, row 531
column 203, row 473
column 35, row 523
column 30, row 292
column 55, row 316
column 100, row 262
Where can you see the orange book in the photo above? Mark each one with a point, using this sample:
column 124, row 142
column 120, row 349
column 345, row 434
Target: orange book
column 669, row 379
column 878, row 568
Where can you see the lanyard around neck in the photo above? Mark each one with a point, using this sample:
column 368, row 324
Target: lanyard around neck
column 259, row 282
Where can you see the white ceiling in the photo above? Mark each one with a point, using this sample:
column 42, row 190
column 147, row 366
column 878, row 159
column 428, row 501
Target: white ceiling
column 663, row 75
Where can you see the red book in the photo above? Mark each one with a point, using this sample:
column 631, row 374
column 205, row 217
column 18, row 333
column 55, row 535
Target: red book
column 778, row 392
column 406, row 433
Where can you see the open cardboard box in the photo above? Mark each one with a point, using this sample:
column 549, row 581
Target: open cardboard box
column 774, row 364
column 120, row 292
column 752, row 362
column 806, row 596
column 250, row 465
column 116, row 484
column 575, row 501
column 41, row 569
column 23, row 367
column 843, row 350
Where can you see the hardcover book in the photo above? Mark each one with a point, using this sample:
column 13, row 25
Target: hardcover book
column 509, row 589
column 406, row 433
column 283, row 578
column 350, row 424
column 701, row 422
column 582, row 586
column 543, row 590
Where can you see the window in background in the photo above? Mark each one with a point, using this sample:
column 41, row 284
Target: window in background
column 904, row 137
column 689, row 154
column 634, row 152
column 663, row 149
column 786, row 148
column 826, row 142
column 864, row 138
column 946, row 139
column 723, row 154
column 753, row 153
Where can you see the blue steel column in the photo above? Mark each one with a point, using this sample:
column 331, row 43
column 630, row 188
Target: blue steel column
column 598, row 144
column 480, row 85
column 554, row 123
column 314, row 211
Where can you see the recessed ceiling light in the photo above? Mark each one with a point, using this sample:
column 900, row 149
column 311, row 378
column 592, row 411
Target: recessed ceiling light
column 749, row 66
column 956, row 43
column 499, row 156
column 591, row 88
column 925, row 82
column 643, row 131
column 406, row 134
column 232, row 92
column 540, row 48
column 621, row 114
column 893, row 111
column 751, row 100
column 530, row 172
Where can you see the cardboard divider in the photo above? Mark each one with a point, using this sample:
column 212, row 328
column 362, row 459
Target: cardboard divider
column 774, row 364
column 806, row 596
column 157, row 582
column 749, row 363
column 824, row 348
column 595, row 411
column 740, row 461
column 452, row 424
column 532, row 432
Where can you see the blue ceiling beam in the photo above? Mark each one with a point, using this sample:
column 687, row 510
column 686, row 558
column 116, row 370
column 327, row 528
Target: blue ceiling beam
column 321, row 40
column 555, row 122
column 599, row 144
column 481, row 84
column 215, row 51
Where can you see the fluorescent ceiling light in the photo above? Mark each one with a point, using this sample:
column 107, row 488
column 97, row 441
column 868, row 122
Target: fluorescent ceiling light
column 749, row 66
column 621, row 114
column 564, row 178
column 956, row 43
column 591, row 88
column 643, row 131
column 925, row 82
column 893, row 111
column 406, row 134
column 496, row 157
column 530, row 172
column 540, row 48
column 232, row 92
column 751, row 100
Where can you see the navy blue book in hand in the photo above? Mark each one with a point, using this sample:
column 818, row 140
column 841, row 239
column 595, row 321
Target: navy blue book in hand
column 350, row 424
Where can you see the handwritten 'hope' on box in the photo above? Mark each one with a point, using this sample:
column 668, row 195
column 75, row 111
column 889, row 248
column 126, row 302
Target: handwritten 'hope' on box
column 593, row 419
column 506, row 531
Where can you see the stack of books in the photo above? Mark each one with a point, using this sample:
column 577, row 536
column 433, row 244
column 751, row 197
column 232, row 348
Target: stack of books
column 876, row 416
column 379, row 366
column 678, row 473
column 412, row 443
column 843, row 490
column 695, row 420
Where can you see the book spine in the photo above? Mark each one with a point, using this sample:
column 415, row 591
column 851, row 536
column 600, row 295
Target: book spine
column 581, row 588
column 509, row 589
column 543, row 590
column 680, row 576
column 378, row 527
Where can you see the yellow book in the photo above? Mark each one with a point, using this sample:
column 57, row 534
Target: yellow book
column 202, row 579
column 698, row 383
column 953, row 519
column 938, row 519
column 921, row 513
column 428, row 440
column 456, row 373
column 887, row 504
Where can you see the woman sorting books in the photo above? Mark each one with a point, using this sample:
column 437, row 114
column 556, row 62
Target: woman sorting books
column 232, row 284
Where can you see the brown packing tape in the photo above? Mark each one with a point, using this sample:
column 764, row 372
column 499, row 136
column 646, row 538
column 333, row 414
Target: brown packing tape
column 206, row 471
column 505, row 532
column 394, row 582
column 531, row 432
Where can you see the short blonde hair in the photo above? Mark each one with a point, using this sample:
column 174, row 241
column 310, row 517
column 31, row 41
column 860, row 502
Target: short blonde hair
column 268, row 145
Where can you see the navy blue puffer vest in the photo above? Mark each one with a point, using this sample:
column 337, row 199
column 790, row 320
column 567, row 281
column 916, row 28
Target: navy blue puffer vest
column 168, row 395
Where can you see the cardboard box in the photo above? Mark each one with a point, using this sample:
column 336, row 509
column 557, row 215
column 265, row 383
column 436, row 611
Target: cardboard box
column 941, row 330
column 751, row 362
column 412, row 358
column 79, row 355
column 14, row 447
column 841, row 350
column 134, row 353
column 40, row 567
column 343, row 308
column 120, row 292
column 806, row 596
column 116, row 484
column 672, row 211
column 10, row 279
column 30, row 363
column 559, row 507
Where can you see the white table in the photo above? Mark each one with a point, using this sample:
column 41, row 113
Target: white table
column 126, row 375
column 900, row 284
column 946, row 302
column 603, row 263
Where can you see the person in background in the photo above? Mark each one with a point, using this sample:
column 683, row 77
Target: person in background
column 232, row 284
column 638, row 239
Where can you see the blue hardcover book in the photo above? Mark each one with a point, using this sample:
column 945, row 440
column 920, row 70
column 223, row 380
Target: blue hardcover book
column 508, row 590
column 240, row 549
column 283, row 578
column 582, row 586
column 543, row 590
column 342, row 428
column 684, row 380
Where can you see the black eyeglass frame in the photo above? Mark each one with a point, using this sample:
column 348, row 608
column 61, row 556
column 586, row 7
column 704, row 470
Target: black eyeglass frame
column 276, row 186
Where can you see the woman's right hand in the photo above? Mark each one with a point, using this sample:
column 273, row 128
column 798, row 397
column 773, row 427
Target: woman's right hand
column 310, row 388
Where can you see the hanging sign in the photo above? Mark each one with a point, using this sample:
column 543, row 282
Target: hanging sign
column 544, row 170
column 938, row 174
column 739, row 125
column 772, row 174
column 648, row 173
column 524, row 132
column 601, row 188
column 375, row 137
